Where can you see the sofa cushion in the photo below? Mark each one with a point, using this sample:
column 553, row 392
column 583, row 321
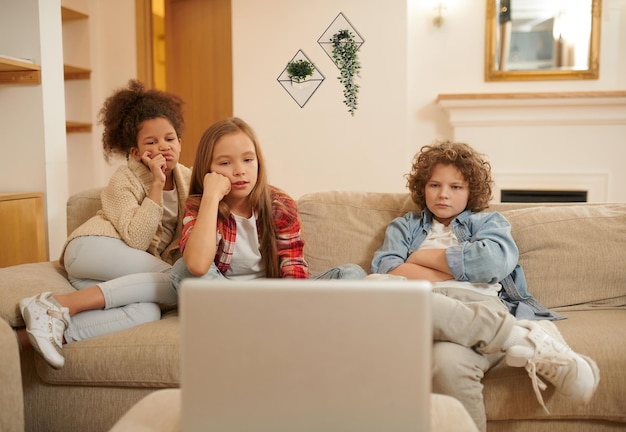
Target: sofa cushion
column 347, row 227
column 342, row 227
column 81, row 206
column 143, row 356
column 25, row 280
column 573, row 256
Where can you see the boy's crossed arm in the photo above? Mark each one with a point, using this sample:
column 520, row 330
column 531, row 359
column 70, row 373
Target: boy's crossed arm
column 425, row 264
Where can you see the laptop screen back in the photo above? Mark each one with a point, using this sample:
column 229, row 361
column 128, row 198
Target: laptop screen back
column 305, row 355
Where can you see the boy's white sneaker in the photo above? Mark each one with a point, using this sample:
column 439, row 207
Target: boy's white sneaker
column 548, row 355
column 45, row 324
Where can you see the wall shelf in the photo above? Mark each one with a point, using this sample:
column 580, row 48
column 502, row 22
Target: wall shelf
column 68, row 14
column 77, row 127
column 14, row 71
column 75, row 73
column 71, row 73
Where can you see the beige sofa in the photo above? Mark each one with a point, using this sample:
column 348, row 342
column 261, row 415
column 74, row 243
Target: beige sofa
column 11, row 396
column 573, row 256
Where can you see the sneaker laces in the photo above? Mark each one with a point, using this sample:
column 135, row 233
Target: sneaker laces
column 549, row 368
column 57, row 327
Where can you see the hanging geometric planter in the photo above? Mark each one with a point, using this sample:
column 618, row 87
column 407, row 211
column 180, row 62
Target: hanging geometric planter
column 339, row 23
column 341, row 41
column 300, row 85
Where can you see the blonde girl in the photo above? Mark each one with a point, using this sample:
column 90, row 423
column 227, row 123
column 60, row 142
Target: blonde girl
column 236, row 225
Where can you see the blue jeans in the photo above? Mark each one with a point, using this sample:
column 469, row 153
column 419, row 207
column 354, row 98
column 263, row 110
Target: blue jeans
column 345, row 271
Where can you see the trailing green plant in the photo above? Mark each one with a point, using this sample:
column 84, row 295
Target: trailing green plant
column 344, row 54
column 299, row 70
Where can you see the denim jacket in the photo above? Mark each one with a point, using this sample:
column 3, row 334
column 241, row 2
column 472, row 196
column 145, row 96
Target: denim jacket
column 487, row 254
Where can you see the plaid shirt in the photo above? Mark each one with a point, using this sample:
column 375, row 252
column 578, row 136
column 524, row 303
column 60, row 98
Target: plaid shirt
column 289, row 243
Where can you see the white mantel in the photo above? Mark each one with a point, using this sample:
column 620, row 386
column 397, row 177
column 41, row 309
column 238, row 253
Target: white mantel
column 553, row 109
column 564, row 141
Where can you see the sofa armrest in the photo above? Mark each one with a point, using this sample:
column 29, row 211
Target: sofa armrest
column 11, row 394
column 25, row 280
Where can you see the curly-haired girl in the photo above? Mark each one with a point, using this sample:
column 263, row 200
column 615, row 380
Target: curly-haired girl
column 479, row 289
column 119, row 260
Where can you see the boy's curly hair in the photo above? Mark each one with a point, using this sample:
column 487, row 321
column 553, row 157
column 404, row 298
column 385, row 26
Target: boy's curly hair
column 474, row 169
column 127, row 108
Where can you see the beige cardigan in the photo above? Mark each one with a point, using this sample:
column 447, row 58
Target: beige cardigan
column 127, row 215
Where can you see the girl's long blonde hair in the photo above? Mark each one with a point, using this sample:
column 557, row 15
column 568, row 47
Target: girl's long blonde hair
column 260, row 197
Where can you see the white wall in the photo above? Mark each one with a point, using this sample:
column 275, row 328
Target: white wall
column 407, row 61
column 574, row 149
column 321, row 146
column 114, row 62
column 104, row 43
column 38, row 154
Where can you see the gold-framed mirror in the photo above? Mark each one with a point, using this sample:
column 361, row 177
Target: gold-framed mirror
column 542, row 40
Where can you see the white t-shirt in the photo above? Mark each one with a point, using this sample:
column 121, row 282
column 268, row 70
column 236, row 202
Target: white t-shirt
column 170, row 217
column 442, row 237
column 246, row 261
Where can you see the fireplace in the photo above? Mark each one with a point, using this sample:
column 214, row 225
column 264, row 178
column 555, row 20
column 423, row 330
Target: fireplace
column 542, row 196
column 552, row 141
column 550, row 187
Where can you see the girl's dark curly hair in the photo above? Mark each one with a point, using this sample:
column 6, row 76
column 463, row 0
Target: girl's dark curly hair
column 127, row 108
column 474, row 169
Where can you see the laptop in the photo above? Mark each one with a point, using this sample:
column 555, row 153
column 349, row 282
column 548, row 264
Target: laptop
column 273, row 355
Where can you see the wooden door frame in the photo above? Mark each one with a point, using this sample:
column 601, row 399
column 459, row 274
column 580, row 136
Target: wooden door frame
column 143, row 32
column 206, row 99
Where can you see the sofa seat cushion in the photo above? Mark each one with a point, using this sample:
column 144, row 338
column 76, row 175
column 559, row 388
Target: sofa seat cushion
column 25, row 280
column 598, row 334
column 143, row 356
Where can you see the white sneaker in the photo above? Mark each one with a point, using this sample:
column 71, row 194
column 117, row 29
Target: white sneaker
column 45, row 324
column 573, row 375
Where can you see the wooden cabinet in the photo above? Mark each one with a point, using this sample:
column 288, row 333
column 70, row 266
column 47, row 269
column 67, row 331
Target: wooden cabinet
column 22, row 229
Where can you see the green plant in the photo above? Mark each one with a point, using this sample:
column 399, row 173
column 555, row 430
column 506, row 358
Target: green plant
column 299, row 70
column 344, row 55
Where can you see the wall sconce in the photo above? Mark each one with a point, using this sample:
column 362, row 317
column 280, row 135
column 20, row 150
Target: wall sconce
column 439, row 8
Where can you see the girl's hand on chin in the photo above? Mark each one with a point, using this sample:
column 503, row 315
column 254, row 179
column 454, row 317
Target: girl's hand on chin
column 157, row 165
column 216, row 184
